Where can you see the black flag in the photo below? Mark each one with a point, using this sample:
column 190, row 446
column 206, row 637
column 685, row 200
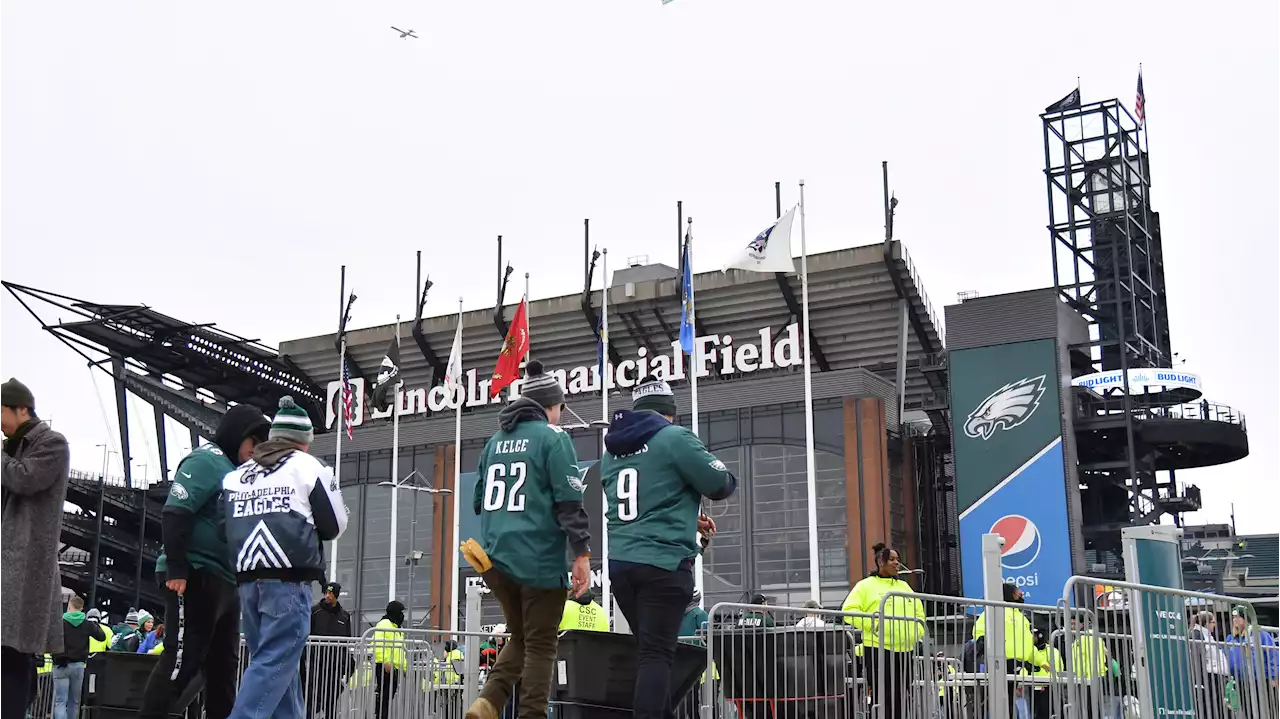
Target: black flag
column 388, row 375
column 1072, row 100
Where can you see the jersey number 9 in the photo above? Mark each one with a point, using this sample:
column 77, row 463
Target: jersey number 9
column 628, row 489
column 496, row 493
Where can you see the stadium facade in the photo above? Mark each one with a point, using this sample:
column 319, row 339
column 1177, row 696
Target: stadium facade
column 869, row 315
column 1053, row 417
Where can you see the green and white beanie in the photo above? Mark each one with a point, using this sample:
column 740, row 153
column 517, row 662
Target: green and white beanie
column 654, row 395
column 292, row 423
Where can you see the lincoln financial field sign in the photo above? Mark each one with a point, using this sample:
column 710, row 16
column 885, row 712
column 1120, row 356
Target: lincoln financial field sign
column 715, row 353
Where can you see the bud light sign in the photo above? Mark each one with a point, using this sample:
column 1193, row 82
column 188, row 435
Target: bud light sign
column 1033, row 523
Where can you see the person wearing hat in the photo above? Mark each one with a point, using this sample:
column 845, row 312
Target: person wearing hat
column 278, row 507
column 390, row 662
column 126, row 633
column 528, row 494
column 68, row 665
column 1255, row 672
column 195, row 571
column 325, row 668
column 37, row 461
column 104, row 644
column 656, row 474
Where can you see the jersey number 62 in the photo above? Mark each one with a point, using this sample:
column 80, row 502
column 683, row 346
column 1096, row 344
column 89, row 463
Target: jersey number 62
column 496, row 492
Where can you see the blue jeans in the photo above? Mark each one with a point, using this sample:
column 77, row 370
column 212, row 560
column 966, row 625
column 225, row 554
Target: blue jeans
column 68, row 681
column 276, row 617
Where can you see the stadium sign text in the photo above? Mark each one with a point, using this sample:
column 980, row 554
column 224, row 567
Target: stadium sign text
column 1144, row 380
column 715, row 353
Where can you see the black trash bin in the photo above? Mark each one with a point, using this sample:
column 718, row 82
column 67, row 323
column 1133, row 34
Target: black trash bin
column 595, row 675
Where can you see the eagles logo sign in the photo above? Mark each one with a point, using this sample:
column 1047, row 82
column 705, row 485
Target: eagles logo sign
column 1006, row 408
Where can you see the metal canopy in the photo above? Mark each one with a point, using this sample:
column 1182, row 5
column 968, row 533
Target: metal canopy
column 230, row 367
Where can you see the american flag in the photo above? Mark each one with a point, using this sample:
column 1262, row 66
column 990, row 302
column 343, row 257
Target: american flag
column 346, row 396
column 1140, row 103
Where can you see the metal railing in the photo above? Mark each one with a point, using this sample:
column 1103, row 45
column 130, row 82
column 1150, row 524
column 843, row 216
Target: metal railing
column 1106, row 650
column 1202, row 411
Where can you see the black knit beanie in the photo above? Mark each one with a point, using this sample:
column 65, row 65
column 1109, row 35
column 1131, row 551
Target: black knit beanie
column 541, row 387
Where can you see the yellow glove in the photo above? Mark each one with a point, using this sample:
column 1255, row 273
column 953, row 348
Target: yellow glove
column 476, row 556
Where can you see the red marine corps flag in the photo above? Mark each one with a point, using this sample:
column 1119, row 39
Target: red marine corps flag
column 513, row 352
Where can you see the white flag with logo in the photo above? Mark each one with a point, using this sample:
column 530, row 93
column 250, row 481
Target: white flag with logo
column 770, row 251
column 453, row 371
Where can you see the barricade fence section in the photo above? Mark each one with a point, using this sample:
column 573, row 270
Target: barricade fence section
column 1107, row 650
column 42, row 702
column 1169, row 652
column 765, row 662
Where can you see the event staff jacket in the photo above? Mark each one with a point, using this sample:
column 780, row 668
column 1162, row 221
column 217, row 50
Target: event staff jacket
column 388, row 645
column 278, row 507
column 1019, row 642
column 895, row 635
column 589, row 617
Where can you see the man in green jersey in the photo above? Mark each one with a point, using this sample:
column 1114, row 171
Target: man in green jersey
column 529, row 497
column 202, row 609
column 655, row 474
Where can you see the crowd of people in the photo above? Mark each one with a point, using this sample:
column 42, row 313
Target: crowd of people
column 242, row 527
column 246, row 515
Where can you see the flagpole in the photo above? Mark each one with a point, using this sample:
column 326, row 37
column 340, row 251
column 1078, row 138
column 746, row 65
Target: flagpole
column 339, row 411
column 811, row 470
column 395, row 474
column 457, row 494
column 694, row 366
column 605, row 599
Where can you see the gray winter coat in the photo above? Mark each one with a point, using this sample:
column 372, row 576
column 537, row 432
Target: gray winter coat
column 35, row 486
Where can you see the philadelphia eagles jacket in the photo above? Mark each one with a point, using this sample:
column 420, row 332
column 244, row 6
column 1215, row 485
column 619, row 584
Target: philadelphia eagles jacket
column 279, row 506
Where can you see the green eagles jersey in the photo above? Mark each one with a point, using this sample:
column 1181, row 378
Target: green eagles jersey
column 652, row 497
column 197, row 488
column 522, row 474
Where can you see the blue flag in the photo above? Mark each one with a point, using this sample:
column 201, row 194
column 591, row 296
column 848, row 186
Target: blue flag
column 602, row 333
column 686, row 298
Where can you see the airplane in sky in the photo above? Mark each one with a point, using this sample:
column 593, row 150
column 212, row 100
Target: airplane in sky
column 404, row 33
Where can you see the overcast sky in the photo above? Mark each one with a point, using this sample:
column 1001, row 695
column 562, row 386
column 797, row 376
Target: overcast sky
column 219, row 162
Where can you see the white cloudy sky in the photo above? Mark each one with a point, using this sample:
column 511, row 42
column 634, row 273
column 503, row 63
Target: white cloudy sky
column 219, row 161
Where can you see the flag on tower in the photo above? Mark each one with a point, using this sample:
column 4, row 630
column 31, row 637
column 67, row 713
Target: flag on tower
column 388, row 376
column 770, row 251
column 1140, row 102
column 514, row 349
column 1071, row 101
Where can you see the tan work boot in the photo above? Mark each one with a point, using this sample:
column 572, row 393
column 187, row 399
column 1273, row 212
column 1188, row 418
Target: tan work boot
column 482, row 709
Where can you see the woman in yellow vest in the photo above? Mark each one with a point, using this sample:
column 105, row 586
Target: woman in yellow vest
column 889, row 645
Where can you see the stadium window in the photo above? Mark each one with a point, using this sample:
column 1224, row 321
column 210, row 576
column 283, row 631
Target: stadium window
column 377, row 547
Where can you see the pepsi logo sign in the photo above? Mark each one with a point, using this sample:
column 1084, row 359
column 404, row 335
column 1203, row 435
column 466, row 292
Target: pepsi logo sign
column 1021, row 541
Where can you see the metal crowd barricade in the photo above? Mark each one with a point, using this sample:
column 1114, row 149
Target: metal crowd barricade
column 1168, row 652
column 767, row 662
column 409, row 674
column 966, row 666
column 42, row 702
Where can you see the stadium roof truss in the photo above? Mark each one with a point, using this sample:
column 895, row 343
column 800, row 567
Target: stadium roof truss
column 188, row 371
